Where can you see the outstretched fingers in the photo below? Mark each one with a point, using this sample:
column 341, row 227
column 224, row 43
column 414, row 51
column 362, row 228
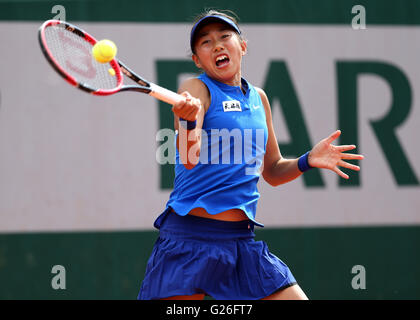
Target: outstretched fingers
column 337, row 154
column 348, row 156
column 347, row 165
column 345, row 148
column 340, row 173
column 351, row 156
column 333, row 136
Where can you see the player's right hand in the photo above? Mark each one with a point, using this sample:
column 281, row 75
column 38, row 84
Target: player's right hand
column 188, row 109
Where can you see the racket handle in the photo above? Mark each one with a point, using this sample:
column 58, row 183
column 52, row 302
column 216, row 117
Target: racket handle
column 165, row 95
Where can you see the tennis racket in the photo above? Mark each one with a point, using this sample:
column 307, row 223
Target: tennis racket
column 69, row 51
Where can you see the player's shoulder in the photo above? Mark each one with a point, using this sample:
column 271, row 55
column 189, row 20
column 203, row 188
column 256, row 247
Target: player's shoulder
column 196, row 88
column 260, row 91
column 262, row 94
column 264, row 100
column 192, row 83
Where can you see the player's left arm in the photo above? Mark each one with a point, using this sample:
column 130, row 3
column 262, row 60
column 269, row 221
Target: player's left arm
column 278, row 170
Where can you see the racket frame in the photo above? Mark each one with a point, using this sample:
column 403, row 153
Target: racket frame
column 119, row 67
column 57, row 67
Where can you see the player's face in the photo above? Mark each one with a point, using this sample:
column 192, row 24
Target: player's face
column 219, row 51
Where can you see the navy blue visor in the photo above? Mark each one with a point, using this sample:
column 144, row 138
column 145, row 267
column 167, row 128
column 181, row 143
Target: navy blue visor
column 213, row 18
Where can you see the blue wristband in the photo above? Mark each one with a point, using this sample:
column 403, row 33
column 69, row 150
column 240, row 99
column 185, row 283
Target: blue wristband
column 189, row 125
column 303, row 163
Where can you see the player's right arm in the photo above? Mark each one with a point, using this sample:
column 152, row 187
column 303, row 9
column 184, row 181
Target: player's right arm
column 193, row 109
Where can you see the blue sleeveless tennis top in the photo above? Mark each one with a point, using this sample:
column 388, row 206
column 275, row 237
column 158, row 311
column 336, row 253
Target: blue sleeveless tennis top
column 234, row 138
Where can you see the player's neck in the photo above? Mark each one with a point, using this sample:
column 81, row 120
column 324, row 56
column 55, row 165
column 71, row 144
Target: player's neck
column 235, row 81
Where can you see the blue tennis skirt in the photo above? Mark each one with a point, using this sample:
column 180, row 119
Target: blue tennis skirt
column 218, row 258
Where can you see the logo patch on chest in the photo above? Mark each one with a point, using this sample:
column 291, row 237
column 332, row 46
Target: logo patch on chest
column 232, row 105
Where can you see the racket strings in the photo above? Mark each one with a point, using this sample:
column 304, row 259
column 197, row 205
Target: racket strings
column 74, row 55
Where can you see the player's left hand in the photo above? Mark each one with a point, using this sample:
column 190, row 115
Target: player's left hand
column 328, row 156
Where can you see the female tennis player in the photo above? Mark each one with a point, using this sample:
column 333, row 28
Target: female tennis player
column 206, row 241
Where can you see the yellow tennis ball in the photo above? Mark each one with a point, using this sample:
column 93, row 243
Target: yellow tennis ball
column 104, row 51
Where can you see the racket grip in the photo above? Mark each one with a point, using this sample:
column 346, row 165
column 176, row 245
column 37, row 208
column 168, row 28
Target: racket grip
column 165, row 95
